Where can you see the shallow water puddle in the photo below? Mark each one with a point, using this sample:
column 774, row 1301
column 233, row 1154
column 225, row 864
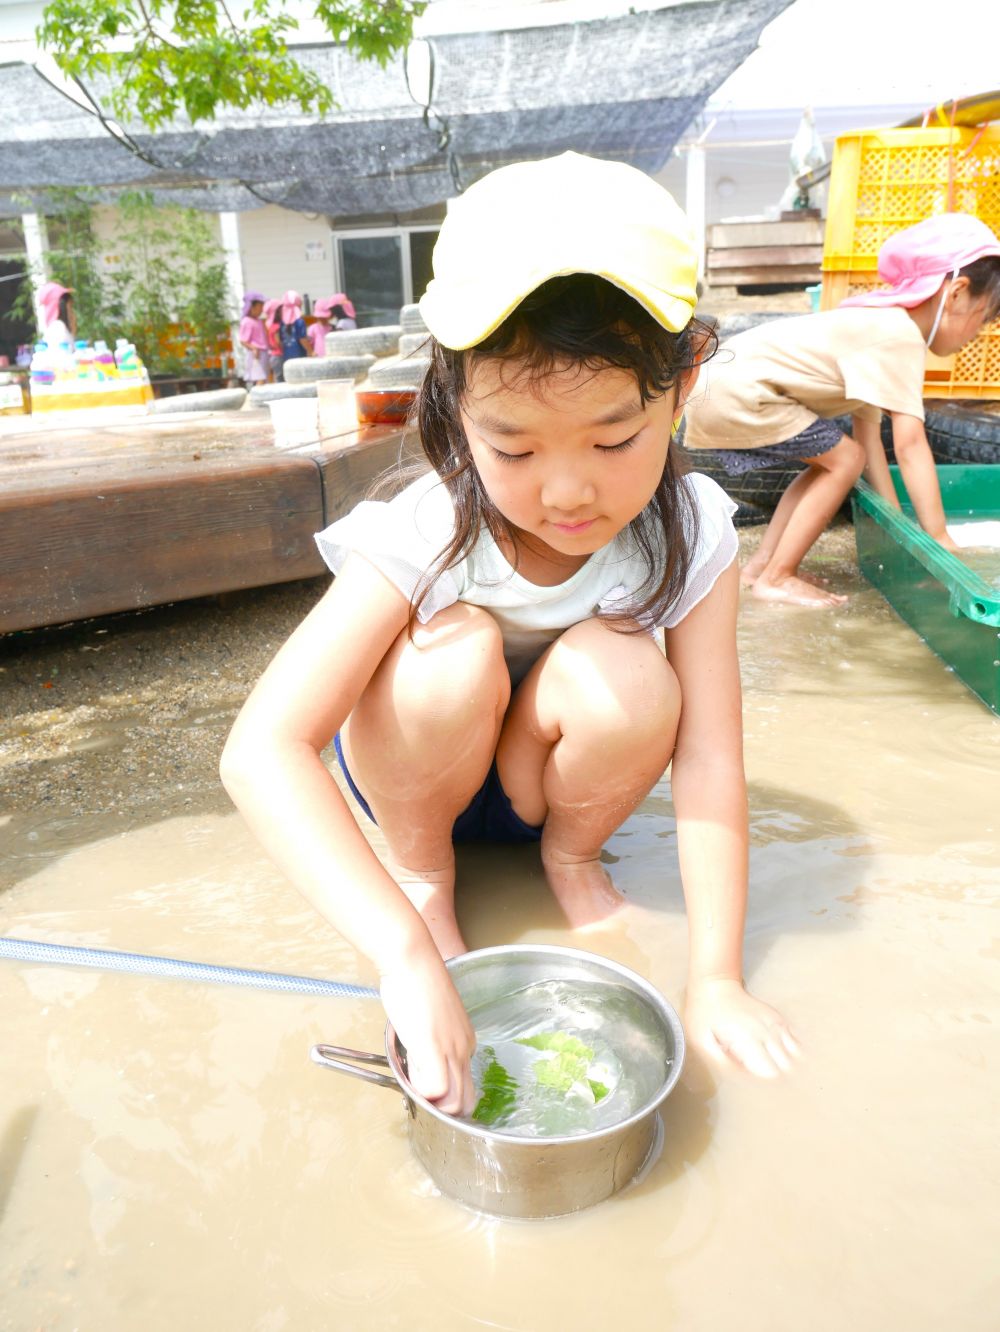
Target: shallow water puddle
column 170, row 1158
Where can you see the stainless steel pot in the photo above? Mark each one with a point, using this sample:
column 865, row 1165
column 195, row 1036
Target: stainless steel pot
column 507, row 1174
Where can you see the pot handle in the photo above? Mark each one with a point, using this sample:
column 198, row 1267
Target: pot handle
column 336, row 1056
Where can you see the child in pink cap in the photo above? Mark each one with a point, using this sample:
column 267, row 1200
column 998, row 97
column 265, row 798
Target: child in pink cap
column 58, row 316
column 253, row 339
column 770, row 397
column 271, row 320
column 292, row 328
column 321, row 325
column 343, row 312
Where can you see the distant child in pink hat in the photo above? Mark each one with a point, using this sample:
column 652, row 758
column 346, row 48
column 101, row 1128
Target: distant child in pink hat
column 253, row 340
column 292, row 331
column 343, row 312
column 58, row 316
column 321, row 325
column 771, row 395
column 271, row 320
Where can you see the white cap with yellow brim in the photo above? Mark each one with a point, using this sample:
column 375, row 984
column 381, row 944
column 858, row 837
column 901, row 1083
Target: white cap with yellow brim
column 524, row 224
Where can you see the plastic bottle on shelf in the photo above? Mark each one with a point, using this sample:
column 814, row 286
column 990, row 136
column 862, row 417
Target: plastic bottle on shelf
column 127, row 359
column 104, row 363
column 86, row 372
column 42, row 371
column 64, row 365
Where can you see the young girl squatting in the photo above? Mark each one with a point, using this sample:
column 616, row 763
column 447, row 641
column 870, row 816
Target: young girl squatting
column 768, row 397
column 486, row 656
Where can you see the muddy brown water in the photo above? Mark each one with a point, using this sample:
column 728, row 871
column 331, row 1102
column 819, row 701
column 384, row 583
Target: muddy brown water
column 169, row 1158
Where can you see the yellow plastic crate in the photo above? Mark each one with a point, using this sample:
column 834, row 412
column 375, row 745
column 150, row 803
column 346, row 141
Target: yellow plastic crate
column 884, row 180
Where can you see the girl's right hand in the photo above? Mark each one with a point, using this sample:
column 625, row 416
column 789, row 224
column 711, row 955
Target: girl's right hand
column 428, row 1017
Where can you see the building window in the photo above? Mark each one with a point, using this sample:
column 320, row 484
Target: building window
column 383, row 270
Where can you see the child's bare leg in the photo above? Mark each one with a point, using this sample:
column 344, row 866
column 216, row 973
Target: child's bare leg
column 588, row 733
column 419, row 744
column 831, row 476
column 764, row 553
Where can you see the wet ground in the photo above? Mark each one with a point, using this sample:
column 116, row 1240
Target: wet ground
column 170, row 1158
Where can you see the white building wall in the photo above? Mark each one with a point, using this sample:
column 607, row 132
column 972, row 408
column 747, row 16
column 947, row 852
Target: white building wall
column 282, row 250
column 107, row 230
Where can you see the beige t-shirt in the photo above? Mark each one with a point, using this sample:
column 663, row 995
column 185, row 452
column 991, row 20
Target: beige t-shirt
column 768, row 384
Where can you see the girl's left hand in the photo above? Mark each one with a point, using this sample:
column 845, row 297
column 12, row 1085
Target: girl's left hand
column 732, row 1027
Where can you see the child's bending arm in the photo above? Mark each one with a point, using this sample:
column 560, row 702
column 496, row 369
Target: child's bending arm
column 273, row 770
column 916, row 462
column 709, row 793
column 869, row 436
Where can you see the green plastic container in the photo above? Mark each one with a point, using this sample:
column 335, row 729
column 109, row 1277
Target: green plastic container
column 954, row 611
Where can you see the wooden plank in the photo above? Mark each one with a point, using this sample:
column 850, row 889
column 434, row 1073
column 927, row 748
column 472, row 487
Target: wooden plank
column 126, row 513
column 804, row 231
column 119, row 544
column 351, row 465
column 772, row 256
column 748, row 277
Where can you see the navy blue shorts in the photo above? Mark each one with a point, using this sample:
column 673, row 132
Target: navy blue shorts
column 819, row 437
column 488, row 817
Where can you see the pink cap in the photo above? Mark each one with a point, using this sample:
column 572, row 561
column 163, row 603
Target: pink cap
column 322, row 308
column 49, row 296
column 915, row 261
column 291, row 307
column 347, row 304
column 269, row 309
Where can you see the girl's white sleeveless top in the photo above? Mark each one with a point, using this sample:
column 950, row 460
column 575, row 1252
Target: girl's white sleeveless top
column 403, row 538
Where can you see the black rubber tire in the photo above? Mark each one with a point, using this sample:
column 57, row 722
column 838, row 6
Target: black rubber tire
column 963, row 432
column 760, row 490
column 750, row 515
column 728, row 325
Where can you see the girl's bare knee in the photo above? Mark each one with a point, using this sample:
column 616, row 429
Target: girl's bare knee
column 846, row 459
column 449, row 668
column 622, row 678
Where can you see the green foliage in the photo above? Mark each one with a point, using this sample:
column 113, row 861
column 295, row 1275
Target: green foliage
column 167, row 272
column 164, row 57
column 72, row 259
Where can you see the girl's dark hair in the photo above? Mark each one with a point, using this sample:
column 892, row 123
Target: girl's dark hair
column 338, row 312
column 984, row 279
column 579, row 320
column 65, row 300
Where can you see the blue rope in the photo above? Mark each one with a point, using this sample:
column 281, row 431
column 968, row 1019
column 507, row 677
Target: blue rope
column 140, row 964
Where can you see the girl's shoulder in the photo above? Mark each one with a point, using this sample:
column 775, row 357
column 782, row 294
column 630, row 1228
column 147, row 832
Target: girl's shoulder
column 403, row 537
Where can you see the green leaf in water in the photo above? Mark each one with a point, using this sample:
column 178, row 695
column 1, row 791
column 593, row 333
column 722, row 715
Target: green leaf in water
column 499, row 1091
column 570, row 1063
column 560, row 1042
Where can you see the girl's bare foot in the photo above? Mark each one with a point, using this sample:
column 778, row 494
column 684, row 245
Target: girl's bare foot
column 795, row 591
column 751, row 571
column 432, row 892
column 817, row 580
column 583, row 888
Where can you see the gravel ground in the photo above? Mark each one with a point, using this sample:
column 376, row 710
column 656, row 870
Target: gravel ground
column 128, row 715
